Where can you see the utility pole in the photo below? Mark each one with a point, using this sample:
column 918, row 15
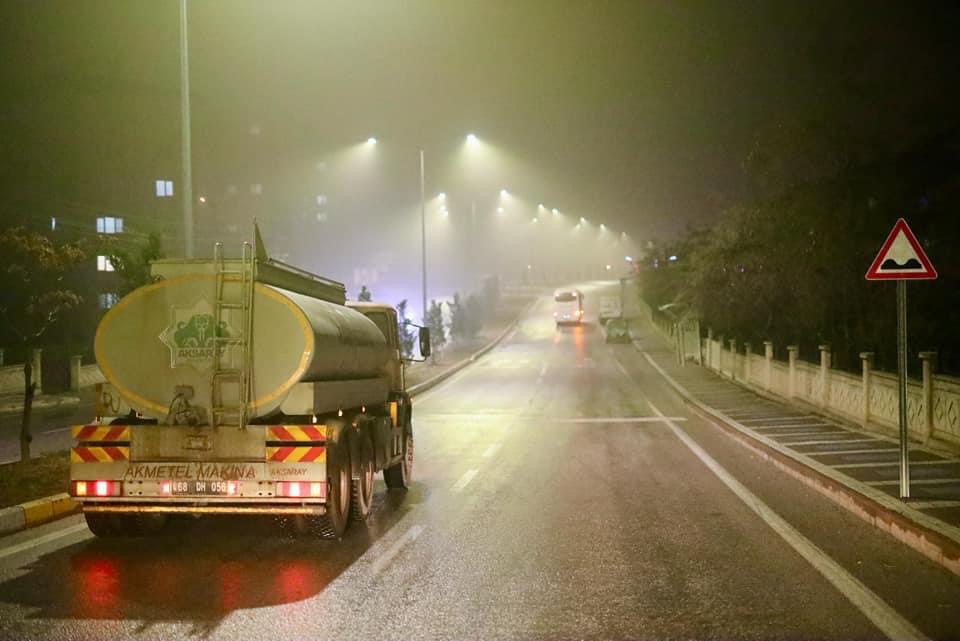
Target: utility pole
column 185, row 135
column 423, row 236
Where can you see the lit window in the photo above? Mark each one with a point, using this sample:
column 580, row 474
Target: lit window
column 164, row 188
column 108, row 299
column 104, row 264
column 109, row 225
column 53, row 223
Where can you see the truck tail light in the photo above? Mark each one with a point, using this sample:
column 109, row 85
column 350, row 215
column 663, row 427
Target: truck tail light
column 301, row 489
column 95, row 488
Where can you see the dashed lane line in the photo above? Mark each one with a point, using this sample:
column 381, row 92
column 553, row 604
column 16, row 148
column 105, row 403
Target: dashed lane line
column 464, row 481
column 391, row 553
column 491, row 450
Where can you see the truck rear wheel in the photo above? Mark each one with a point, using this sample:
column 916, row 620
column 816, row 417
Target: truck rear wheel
column 397, row 476
column 361, row 489
column 124, row 525
column 333, row 524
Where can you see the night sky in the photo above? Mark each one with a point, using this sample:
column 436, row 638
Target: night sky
column 637, row 114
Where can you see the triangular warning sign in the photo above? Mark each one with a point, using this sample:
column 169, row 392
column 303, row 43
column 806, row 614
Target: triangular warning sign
column 901, row 257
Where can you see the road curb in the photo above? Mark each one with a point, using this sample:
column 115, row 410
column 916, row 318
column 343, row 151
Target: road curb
column 420, row 388
column 934, row 539
column 33, row 513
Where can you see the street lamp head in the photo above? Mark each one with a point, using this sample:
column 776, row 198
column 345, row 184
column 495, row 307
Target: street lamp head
column 371, row 141
column 540, row 206
column 472, row 139
column 499, row 210
column 556, row 211
column 582, row 220
column 442, row 196
column 602, row 226
column 536, row 220
column 504, row 193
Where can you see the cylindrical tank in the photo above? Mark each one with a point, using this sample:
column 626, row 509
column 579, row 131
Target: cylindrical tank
column 162, row 336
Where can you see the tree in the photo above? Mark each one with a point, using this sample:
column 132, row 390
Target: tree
column 438, row 337
column 32, row 298
column 407, row 337
column 365, row 296
column 475, row 314
column 133, row 264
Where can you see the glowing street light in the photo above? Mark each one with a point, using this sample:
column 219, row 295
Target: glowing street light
column 472, row 139
column 555, row 211
column 442, row 196
column 499, row 210
column 371, row 141
column 504, row 193
column 582, row 220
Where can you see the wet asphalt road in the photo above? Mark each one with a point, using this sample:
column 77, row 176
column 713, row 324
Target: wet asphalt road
column 561, row 491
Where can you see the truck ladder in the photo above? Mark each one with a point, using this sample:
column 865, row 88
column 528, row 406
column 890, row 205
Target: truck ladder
column 238, row 374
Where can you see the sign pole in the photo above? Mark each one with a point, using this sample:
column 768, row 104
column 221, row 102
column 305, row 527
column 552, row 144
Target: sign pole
column 902, row 385
column 901, row 258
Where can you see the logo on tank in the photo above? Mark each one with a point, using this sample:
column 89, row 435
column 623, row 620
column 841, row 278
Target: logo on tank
column 192, row 335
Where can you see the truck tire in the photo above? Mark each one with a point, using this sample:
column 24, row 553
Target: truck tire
column 361, row 489
column 334, row 523
column 124, row 525
column 101, row 524
column 397, row 476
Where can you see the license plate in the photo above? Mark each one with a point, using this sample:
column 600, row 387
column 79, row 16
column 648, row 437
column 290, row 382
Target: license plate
column 203, row 488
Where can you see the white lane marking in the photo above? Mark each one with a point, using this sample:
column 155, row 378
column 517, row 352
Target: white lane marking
column 464, row 480
column 934, row 504
column 491, row 450
column 863, row 598
column 788, row 426
column 828, row 442
column 869, row 450
column 391, row 552
column 847, row 466
column 803, row 434
column 621, row 419
column 916, row 482
column 873, row 607
column 42, row 540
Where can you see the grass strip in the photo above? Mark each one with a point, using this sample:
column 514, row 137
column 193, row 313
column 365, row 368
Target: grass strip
column 34, row 479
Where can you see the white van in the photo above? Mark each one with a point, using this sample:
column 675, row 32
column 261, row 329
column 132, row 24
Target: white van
column 568, row 306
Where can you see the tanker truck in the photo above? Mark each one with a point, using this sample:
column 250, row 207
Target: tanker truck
column 242, row 386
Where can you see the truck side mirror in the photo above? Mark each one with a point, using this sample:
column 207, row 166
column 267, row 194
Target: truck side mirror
column 425, row 341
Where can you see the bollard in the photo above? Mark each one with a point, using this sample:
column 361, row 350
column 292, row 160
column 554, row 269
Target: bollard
column 929, row 360
column 824, row 375
column 747, row 355
column 792, row 351
column 733, row 359
column 768, row 355
column 867, row 359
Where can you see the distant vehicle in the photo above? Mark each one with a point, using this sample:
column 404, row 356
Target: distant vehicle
column 569, row 306
column 617, row 330
column 609, row 308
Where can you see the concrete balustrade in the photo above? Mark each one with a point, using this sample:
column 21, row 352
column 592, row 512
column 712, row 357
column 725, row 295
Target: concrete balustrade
column 869, row 400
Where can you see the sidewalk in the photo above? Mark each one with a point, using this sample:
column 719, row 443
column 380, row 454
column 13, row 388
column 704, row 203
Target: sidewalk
column 858, row 470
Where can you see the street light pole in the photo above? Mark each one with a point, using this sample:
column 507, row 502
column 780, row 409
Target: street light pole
column 185, row 135
column 423, row 237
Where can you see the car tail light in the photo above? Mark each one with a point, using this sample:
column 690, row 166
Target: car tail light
column 301, row 489
column 95, row 488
